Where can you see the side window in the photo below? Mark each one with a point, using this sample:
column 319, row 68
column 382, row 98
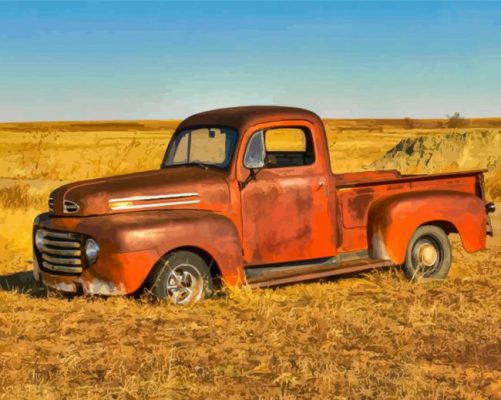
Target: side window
column 288, row 147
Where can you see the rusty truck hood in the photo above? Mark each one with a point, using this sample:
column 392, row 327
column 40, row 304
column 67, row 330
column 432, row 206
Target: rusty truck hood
column 182, row 187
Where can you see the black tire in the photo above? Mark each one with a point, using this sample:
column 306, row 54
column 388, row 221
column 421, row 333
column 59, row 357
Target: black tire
column 429, row 254
column 182, row 277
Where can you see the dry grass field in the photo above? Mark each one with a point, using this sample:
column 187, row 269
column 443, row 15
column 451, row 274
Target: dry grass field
column 371, row 335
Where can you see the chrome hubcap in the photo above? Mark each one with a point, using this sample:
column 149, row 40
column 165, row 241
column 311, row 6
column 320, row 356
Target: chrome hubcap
column 185, row 284
column 427, row 254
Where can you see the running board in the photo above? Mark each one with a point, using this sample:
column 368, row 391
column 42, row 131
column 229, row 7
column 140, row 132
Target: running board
column 279, row 275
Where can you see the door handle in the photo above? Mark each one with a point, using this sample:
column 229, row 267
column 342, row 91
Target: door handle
column 320, row 185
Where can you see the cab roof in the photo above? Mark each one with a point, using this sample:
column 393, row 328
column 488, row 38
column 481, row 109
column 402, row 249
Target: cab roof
column 242, row 118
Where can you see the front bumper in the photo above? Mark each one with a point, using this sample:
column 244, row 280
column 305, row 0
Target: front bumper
column 121, row 274
column 116, row 271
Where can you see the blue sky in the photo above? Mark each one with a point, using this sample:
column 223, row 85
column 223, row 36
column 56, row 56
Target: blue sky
column 163, row 60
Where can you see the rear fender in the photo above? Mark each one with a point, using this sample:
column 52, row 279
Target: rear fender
column 393, row 220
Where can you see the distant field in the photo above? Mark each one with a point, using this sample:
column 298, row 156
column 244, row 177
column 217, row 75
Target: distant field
column 368, row 336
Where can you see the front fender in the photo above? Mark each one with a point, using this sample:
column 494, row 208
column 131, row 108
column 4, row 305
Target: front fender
column 164, row 231
column 394, row 219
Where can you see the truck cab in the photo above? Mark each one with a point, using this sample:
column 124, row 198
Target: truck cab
column 246, row 195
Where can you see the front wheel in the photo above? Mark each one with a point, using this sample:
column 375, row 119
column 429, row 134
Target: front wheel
column 182, row 277
column 429, row 254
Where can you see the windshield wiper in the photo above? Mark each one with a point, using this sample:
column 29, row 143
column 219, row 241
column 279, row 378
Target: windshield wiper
column 198, row 164
column 195, row 163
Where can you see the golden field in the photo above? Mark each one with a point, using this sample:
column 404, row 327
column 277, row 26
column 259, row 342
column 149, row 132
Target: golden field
column 372, row 335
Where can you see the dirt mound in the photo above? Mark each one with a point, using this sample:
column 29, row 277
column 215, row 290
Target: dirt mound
column 493, row 183
column 454, row 151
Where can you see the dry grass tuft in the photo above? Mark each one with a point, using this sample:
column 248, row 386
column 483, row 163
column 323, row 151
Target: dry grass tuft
column 20, row 196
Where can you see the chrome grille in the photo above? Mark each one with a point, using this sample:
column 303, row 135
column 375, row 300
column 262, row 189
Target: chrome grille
column 51, row 204
column 62, row 252
column 70, row 207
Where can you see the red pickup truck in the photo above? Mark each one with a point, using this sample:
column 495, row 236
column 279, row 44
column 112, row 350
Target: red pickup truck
column 246, row 196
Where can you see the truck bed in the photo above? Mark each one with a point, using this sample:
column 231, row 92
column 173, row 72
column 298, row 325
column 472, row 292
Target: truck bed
column 357, row 191
column 352, row 179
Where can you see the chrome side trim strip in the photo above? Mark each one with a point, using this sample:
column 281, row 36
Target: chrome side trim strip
column 170, row 203
column 155, row 197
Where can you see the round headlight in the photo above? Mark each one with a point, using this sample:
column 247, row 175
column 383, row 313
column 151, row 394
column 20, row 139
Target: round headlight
column 39, row 239
column 91, row 250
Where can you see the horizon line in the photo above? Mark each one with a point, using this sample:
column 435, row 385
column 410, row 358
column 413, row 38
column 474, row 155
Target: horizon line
column 91, row 121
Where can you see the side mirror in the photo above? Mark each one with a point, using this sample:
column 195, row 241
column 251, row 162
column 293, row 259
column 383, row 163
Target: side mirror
column 255, row 152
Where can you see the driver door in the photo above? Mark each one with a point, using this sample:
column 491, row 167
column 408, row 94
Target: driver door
column 285, row 203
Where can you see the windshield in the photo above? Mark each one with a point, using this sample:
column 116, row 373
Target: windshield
column 207, row 146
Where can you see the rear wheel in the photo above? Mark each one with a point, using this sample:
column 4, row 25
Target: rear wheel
column 429, row 254
column 182, row 277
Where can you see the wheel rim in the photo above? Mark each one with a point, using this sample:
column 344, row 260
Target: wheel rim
column 184, row 284
column 427, row 256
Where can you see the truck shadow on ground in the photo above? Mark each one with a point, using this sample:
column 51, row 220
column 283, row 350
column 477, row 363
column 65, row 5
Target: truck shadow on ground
column 22, row 282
